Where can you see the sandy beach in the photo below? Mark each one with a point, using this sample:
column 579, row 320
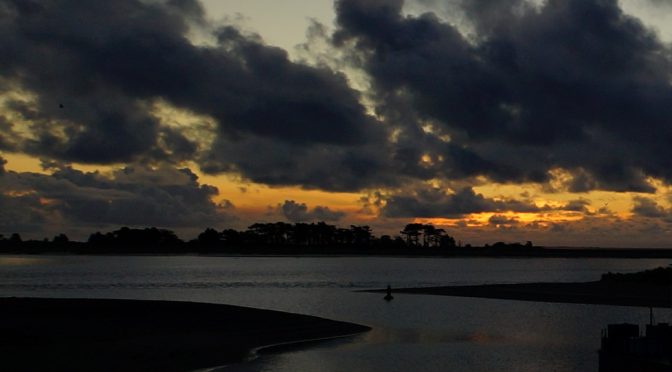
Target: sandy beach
column 131, row 335
column 598, row 292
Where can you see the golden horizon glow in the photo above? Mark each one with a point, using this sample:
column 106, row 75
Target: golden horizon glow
column 257, row 202
column 254, row 198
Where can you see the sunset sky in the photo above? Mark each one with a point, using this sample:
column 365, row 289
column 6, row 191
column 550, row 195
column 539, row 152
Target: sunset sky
column 507, row 120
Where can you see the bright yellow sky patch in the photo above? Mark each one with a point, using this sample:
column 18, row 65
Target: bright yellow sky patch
column 252, row 195
column 614, row 201
column 22, row 163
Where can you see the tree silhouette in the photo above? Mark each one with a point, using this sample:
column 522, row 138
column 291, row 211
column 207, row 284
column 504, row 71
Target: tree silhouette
column 446, row 241
column 15, row 239
column 209, row 238
column 412, row 232
column 429, row 233
column 61, row 239
column 361, row 235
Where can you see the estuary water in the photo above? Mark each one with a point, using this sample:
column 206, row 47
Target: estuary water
column 412, row 332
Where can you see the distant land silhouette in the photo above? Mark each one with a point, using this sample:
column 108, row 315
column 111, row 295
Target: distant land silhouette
column 281, row 238
column 650, row 288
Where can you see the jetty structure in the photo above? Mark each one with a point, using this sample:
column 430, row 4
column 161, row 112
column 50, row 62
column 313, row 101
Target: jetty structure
column 623, row 348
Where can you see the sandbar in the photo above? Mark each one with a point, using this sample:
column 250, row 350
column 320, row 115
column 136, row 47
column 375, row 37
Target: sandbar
column 597, row 292
column 133, row 335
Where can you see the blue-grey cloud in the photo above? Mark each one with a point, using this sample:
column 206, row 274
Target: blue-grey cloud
column 501, row 221
column 93, row 97
column 433, row 202
column 132, row 196
column 575, row 84
column 298, row 212
column 577, row 205
column 646, row 207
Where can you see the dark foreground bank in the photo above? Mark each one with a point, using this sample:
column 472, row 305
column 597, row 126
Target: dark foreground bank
column 598, row 292
column 115, row 335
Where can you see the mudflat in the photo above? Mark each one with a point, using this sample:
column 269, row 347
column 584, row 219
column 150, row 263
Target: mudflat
column 131, row 335
column 597, row 292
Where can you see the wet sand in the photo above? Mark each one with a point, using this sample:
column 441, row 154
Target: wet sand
column 599, row 292
column 130, row 335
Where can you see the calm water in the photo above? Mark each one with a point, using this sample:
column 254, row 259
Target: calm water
column 422, row 333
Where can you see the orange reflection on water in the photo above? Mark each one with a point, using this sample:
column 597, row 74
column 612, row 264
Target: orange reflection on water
column 22, row 261
column 481, row 337
column 428, row 336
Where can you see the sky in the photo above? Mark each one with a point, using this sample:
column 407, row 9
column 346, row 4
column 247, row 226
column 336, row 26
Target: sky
column 508, row 120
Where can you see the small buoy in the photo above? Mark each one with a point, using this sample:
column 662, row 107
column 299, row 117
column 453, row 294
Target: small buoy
column 388, row 296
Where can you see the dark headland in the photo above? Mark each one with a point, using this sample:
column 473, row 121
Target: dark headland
column 651, row 288
column 130, row 335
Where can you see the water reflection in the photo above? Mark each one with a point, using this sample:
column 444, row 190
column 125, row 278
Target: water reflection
column 22, row 261
column 429, row 336
column 428, row 333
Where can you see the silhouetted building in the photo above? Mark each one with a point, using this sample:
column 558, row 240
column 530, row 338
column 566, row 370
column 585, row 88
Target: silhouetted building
column 624, row 349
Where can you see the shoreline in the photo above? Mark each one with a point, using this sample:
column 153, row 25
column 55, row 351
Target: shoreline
column 139, row 335
column 556, row 253
column 257, row 352
column 592, row 293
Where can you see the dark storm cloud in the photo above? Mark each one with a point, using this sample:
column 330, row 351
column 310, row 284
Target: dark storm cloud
column 572, row 84
column 502, row 221
column 298, row 212
column 6, row 135
column 95, row 82
column 578, row 205
column 645, row 207
column 575, row 84
column 22, row 213
column 138, row 196
column 653, row 214
column 328, row 167
column 54, row 51
column 430, row 203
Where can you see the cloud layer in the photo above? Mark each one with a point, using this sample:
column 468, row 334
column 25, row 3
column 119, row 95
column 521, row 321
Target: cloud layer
column 165, row 197
column 575, row 84
column 298, row 212
column 92, row 101
column 429, row 203
column 505, row 91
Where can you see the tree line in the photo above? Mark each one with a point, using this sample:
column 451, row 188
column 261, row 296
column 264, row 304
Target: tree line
column 266, row 238
column 275, row 237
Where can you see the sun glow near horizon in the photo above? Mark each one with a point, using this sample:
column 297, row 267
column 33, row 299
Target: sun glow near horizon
column 258, row 202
